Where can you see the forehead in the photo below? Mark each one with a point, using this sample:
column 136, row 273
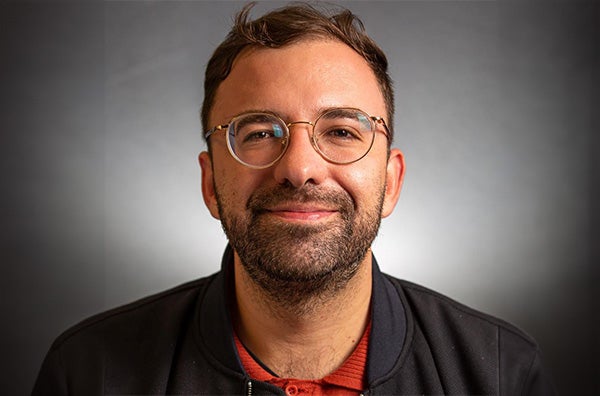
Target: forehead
column 298, row 80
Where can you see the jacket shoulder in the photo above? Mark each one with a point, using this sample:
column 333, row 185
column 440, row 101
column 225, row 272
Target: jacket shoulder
column 425, row 302
column 477, row 352
column 167, row 305
column 126, row 346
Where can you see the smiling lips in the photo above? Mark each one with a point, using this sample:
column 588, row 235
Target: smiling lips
column 302, row 212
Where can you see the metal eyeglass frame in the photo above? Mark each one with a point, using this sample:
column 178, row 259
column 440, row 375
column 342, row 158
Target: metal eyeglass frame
column 373, row 119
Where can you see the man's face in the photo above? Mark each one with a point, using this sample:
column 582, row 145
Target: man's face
column 304, row 219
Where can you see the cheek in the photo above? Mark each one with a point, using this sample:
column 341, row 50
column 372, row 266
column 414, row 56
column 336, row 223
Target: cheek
column 234, row 184
column 225, row 172
column 364, row 182
column 229, row 189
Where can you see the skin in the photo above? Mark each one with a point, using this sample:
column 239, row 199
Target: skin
column 297, row 82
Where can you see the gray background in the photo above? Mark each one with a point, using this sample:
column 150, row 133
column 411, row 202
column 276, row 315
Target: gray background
column 497, row 113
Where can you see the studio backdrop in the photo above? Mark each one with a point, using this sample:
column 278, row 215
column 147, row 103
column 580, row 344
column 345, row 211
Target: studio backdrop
column 496, row 112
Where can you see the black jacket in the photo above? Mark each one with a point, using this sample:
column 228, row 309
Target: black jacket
column 181, row 342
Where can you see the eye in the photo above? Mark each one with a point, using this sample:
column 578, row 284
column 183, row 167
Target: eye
column 257, row 135
column 340, row 134
column 251, row 133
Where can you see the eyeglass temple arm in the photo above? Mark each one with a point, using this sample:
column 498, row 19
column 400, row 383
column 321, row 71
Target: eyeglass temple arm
column 380, row 120
column 216, row 129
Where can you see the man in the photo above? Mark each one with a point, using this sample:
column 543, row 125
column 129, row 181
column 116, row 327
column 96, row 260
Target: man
column 298, row 117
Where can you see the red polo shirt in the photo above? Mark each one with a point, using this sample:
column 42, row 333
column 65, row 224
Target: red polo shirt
column 347, row 380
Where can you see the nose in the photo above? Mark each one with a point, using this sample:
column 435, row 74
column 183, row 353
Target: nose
column 301, row 163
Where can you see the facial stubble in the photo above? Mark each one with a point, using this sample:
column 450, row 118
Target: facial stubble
column 296, row 264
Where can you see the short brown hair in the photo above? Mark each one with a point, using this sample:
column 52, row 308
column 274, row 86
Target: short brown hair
column 289, row 25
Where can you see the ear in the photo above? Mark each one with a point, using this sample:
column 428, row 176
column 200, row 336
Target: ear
column 394, row 180
column 208, row 184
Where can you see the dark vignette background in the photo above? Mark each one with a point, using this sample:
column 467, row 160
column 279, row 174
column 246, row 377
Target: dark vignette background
column 497, row 115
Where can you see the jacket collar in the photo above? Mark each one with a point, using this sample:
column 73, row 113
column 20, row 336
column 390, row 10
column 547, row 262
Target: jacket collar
column 215, row 330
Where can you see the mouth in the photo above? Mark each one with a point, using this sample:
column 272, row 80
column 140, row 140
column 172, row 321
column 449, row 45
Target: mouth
column 309, row 206
column 301, row 212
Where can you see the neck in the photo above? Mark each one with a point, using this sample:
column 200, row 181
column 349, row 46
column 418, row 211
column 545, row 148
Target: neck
column 310, row 340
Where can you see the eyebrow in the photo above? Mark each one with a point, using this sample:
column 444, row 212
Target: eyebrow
column 250, row 111
column 285, row 117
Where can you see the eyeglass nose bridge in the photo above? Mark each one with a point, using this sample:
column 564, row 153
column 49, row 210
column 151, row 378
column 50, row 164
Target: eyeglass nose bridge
column 311, row 134
column 289, row 124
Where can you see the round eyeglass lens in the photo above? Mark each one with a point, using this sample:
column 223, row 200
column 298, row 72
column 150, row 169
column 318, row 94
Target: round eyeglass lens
column 344, row 135
column 257, row 139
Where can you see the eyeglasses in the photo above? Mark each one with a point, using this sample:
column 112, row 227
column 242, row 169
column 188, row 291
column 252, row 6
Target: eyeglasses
column 339, row 135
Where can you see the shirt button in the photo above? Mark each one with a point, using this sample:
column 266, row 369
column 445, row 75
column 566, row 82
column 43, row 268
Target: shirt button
column 291, row 390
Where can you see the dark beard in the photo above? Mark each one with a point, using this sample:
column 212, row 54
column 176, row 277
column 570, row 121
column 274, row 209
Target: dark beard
column 295, row 264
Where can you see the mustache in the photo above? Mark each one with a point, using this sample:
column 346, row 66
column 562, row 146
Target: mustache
column 262, row 199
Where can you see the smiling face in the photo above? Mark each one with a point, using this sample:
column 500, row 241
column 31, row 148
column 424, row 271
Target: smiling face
column 303, row 220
